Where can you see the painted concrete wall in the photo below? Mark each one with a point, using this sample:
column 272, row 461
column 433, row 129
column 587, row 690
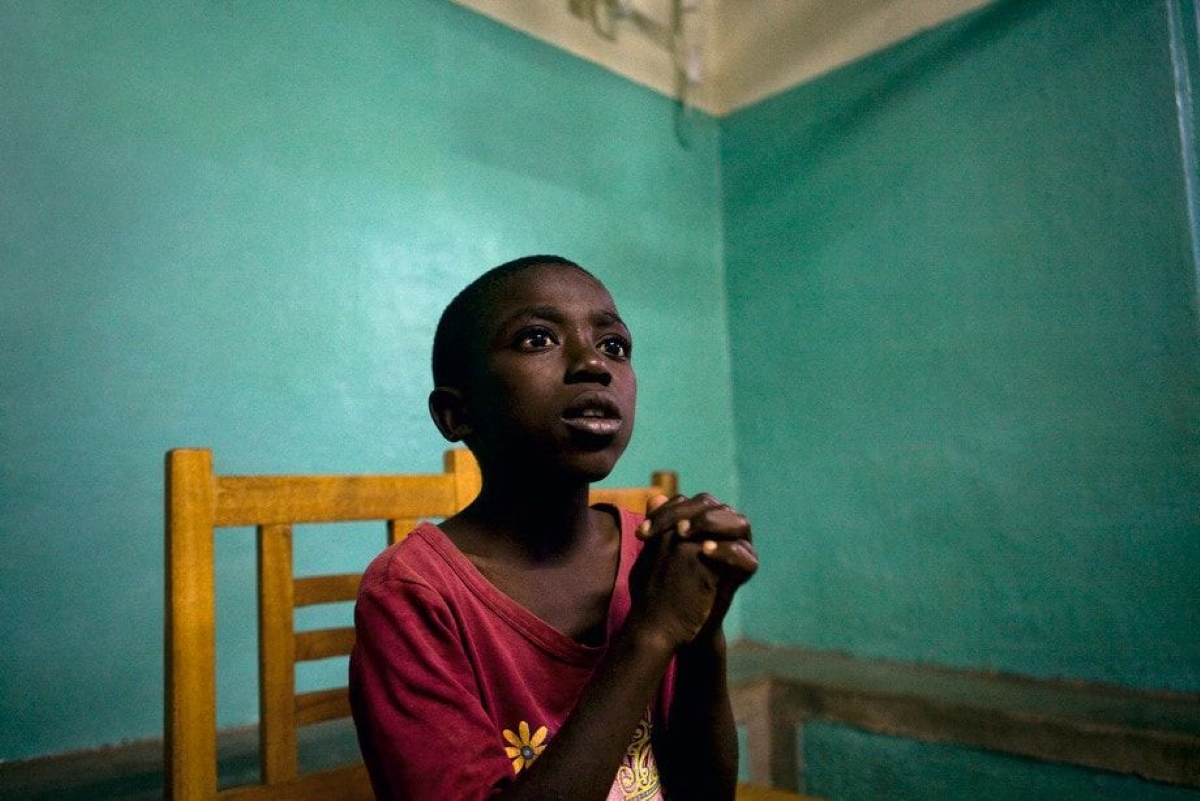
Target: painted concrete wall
column 963, row 328
column 961, row 318
column 233, row 225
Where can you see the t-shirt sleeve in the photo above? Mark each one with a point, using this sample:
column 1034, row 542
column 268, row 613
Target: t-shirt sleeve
column 421, row 723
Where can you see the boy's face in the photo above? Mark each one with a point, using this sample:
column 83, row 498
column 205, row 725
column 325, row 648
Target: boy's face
column 554, row 386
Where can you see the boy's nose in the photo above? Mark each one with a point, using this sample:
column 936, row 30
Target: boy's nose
column 587, row 365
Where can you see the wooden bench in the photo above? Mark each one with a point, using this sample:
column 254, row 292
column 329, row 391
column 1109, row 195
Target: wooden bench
column 776, row 690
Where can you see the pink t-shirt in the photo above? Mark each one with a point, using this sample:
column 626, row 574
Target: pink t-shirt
column 456, row 688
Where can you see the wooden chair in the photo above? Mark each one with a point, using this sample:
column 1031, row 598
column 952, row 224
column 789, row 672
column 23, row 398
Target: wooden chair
column 198, row 501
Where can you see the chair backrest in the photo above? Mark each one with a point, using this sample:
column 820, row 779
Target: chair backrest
column 199, row 501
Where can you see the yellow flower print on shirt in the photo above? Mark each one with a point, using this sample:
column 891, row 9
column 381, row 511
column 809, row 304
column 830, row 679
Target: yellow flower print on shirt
column 524, row 748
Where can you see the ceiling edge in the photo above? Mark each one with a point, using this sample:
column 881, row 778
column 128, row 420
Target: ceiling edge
column 750, row 51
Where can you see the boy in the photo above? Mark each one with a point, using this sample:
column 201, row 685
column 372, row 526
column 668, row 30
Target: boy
column 532, row 646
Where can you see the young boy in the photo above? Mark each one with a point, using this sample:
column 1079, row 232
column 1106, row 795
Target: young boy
column 532, row 646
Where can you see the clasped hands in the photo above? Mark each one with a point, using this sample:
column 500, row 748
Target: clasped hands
column 697, row 553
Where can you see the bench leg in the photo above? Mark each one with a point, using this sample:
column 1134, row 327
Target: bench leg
column 772, row 735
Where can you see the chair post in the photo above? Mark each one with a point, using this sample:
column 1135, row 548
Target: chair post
column 190, row 720
column 400, row 528
column 768, row 713
column 667, row 482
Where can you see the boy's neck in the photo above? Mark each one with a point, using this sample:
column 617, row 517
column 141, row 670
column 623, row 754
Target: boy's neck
column 537, row 523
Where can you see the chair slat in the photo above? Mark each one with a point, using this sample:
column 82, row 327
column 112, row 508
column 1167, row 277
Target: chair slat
column 263, row 500
column 631, row 499
column 277, row 655
column 323, row 643
column 663, row 482
column 322, row 705
column 333, row 588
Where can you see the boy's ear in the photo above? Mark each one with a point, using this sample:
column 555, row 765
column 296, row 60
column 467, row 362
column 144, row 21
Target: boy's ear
column 448, row 408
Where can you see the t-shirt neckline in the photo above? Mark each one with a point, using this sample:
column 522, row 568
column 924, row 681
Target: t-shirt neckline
column 523, row 620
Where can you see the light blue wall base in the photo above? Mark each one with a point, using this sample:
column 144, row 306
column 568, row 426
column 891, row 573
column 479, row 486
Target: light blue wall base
column 849, row 765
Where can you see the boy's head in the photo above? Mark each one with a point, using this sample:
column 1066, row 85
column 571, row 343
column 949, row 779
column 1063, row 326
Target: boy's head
column 457, row 337
column 531, row 366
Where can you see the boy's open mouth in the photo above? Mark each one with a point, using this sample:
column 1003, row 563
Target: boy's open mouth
column 593, row 415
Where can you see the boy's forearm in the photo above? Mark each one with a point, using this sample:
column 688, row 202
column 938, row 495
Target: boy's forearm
column 700, row 754
column 582, row 760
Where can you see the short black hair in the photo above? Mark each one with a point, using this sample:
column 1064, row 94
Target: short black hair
column 453, row 341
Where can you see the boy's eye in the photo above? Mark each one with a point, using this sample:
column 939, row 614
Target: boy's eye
column 535, row 339
column 616, row 347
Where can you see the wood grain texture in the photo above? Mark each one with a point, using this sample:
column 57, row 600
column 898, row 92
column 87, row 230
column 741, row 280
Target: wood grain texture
column 328, row 589
column 349, row 783
column 277, row 654
column 322, row 705
column 776, row 690
column 190, row 741
column 259, row 500
column 323, row 643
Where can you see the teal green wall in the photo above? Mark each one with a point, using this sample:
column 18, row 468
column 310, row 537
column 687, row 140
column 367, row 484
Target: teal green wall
column 232, row 225
column 963, row 328
column 959, row 364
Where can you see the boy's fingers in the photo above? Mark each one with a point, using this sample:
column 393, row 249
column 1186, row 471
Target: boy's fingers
column 680, row 508
column 721, row 522
column 736, row 556
column 655, row 503
column 691, row 517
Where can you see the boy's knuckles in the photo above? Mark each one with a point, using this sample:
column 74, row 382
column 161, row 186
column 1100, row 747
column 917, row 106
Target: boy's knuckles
column 730, row 555
column 723, row 522
column 735, row 561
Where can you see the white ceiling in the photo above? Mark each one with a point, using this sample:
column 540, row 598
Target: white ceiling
column 745, row 50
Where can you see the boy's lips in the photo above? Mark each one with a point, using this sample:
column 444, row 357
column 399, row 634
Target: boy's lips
column 593, row 413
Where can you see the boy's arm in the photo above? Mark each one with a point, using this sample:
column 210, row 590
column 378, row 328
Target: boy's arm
column 698, row 750
column 673, row 604
column 582, row 760
column 677, row 598
column 447, row 747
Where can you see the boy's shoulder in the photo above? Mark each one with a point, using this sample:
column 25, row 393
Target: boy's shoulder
column 424, row 554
